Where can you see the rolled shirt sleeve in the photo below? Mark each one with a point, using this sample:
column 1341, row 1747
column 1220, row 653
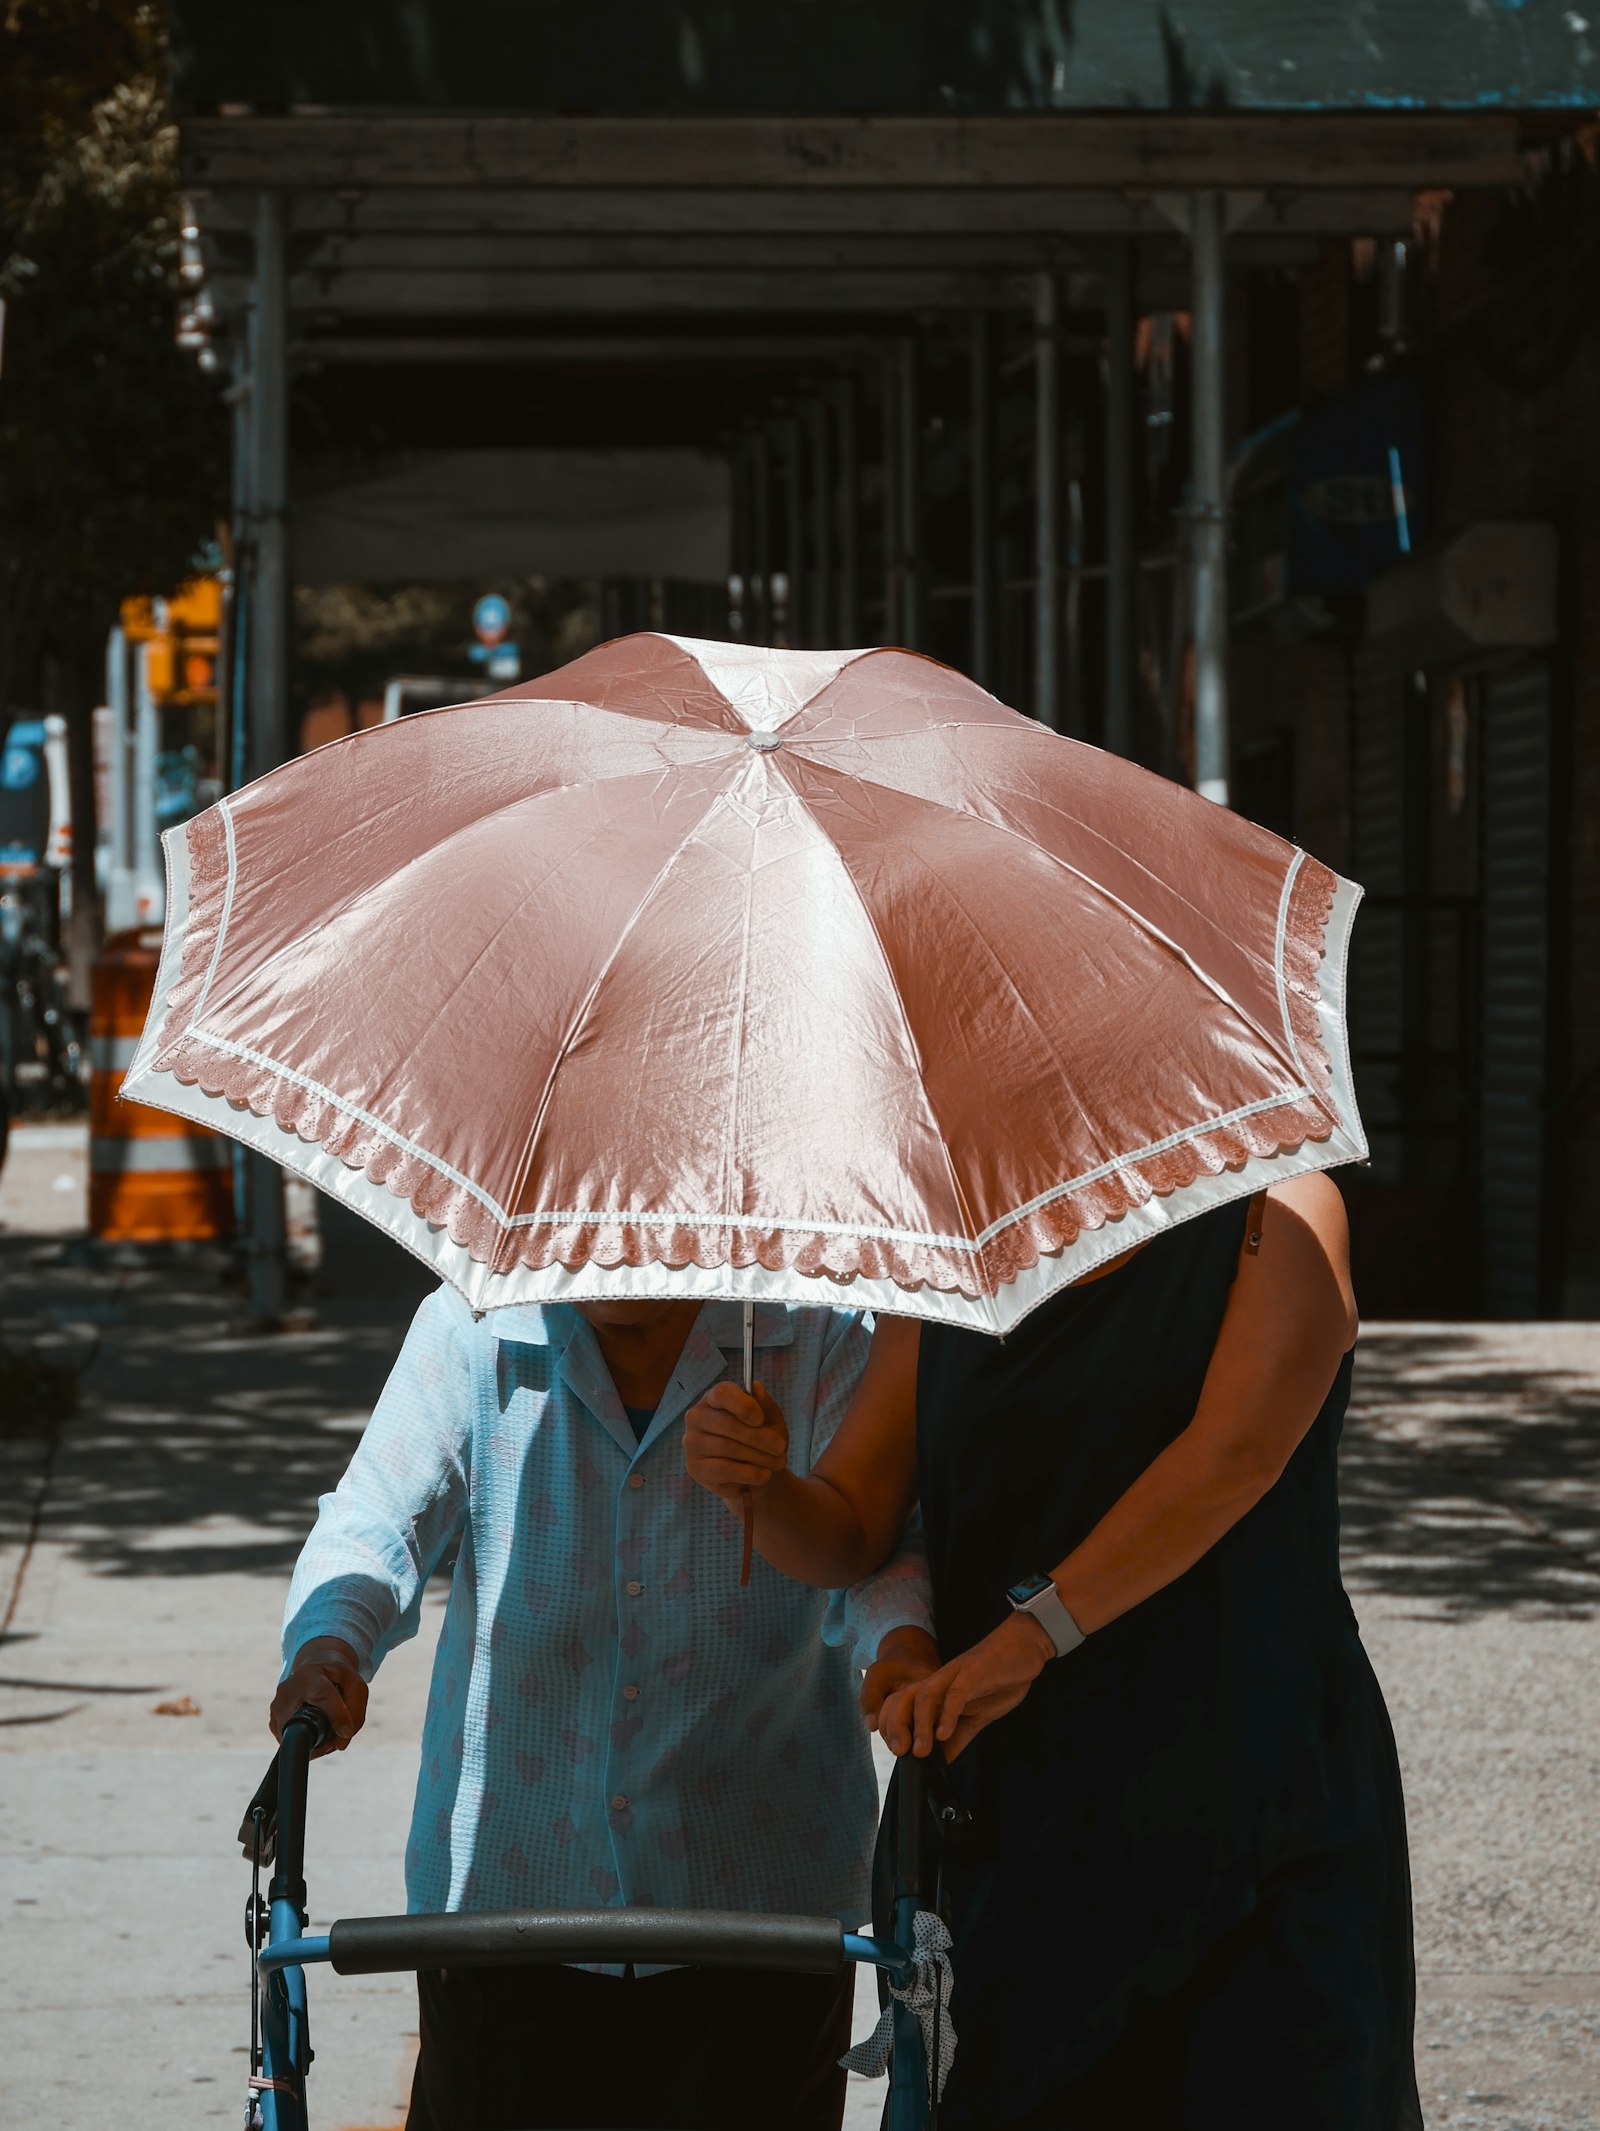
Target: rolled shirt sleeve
column 897, row 1595
column 402, row 1502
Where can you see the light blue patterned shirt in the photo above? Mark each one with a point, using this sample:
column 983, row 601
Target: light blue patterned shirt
column 612, row 1720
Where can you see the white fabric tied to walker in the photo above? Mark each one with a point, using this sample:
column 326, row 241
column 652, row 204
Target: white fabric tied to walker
column 929, row 1986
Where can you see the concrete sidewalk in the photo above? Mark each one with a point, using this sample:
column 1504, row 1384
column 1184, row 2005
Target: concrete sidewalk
column 144, row 1549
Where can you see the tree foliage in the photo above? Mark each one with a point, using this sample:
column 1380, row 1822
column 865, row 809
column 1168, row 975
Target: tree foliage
column 112, row 441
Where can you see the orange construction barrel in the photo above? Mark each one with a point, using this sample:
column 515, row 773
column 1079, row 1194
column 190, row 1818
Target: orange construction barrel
column 153, row 1177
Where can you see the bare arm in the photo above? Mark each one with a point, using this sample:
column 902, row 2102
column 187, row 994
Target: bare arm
column 835, row 1525
column 1290, row 1319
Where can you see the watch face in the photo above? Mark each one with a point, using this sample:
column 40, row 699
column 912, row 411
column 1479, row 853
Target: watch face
column 1029, row 1587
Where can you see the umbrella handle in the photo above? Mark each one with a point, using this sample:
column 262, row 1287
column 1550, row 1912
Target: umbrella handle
column 747, row 1501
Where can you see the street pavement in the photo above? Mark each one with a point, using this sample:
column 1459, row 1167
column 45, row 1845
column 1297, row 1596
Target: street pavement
column 144, row 1548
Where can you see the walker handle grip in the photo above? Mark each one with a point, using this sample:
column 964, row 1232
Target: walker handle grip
column 307, row 1723
column 384, row 1945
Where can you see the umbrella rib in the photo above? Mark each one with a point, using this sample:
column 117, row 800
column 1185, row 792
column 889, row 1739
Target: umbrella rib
column 1134, row 917
column 354, row 900
column 442, row 1011
column 580, row 1017
column 1024, row 1009
column 370, row 822
column 900, row 1007
column 1036, row 737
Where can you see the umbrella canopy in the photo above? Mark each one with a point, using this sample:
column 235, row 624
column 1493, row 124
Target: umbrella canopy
column 714, row 970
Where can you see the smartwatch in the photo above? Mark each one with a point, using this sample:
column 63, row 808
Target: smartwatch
column 1038, row 1595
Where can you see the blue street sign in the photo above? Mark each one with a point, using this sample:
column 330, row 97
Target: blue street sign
column 491, row 618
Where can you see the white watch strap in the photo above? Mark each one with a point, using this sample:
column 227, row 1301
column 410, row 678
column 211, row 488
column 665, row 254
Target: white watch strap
column 1048, row 1610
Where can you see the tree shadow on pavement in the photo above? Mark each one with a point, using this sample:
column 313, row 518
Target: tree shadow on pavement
column 1470, row 1471
column 1470, row 1476
column 200, row 1445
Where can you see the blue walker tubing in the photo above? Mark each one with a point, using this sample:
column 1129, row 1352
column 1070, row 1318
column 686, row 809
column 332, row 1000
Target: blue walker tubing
column 289, row 1950
column 285, row 2023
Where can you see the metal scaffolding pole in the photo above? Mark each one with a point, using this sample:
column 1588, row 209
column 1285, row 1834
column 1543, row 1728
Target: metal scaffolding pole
column 268, row 646
column 1046, row 500
column 237, row 633
column 981, row 498
column 1120, row 565
column 912, row 545
column 794, row 528
column 1208, row 503
column 760, row 448
column 269, row 491
column 894, row 630
column 819, row 439
column 742, row 535
column 848, row 494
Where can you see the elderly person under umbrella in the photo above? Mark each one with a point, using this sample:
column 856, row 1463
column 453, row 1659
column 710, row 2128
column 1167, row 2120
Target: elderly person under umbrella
column 612, row 1719
column 706, row 967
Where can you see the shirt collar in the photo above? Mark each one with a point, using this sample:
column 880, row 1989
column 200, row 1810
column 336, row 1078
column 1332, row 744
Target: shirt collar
column 715, row 1333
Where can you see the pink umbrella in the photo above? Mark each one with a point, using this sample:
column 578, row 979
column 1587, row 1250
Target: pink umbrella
column 713, row 970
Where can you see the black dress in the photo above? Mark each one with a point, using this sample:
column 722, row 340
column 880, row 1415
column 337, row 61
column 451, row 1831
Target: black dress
column 1185, row 1900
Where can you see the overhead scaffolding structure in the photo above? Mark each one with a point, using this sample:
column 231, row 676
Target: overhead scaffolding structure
column 822, row 262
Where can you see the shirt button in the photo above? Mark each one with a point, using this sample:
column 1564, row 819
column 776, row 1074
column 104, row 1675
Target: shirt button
column 630, row 1694
column 619, row 1804
column 634, row 1589
column 636, row 1479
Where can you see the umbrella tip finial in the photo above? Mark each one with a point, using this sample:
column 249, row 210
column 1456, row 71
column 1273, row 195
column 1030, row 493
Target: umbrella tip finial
column 764, row 743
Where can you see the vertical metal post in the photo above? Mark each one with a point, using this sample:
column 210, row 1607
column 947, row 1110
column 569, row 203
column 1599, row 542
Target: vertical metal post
column 893, row 536
column 241, row 576
column 759, row 448
column 1046, row 499
column 908, row 407
column 149, row 877
column 269, row 483
column 238, row 623
column 849, row 500
column 736, row 604
column 794, row 528
column 1120, row 646
column 119, row 870
column 819, row 437
column 1208, row 502
column 1073, row 719
column 268, row 699
column 981, row 497
column 760, row 537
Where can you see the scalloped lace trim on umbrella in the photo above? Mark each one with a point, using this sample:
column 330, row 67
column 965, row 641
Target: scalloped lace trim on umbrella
column 604, row 1240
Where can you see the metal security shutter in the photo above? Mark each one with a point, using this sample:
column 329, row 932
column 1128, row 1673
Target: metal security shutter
column 1377, row 820
column 1515, row 909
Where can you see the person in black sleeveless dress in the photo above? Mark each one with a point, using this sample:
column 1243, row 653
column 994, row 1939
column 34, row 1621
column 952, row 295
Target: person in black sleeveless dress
column 1184, row 1904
